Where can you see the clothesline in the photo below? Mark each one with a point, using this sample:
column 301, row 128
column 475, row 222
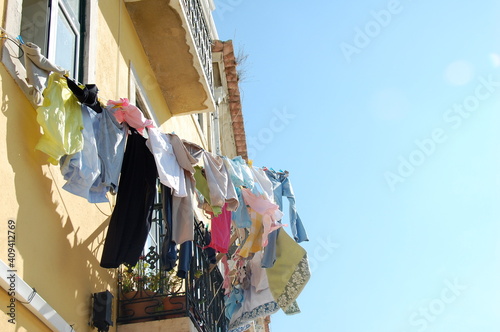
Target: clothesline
column 90, row 148
column 16, row 40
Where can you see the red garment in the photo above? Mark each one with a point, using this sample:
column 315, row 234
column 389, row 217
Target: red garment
column 221, row 231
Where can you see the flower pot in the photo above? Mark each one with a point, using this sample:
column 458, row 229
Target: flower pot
column 174, row 306
column 139, row 306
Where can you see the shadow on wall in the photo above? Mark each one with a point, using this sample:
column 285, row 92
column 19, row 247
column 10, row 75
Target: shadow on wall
column 61, row 265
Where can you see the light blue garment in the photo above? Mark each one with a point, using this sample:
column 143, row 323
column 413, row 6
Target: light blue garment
column 111, row 149
column 234, row 301
column 82, row 169
column 239, row 172
column 241, row 217
column 283, row 187
column 93, row 171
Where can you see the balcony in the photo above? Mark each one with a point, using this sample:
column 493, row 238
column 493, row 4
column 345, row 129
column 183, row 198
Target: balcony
column 153, row 299
column 176, row 38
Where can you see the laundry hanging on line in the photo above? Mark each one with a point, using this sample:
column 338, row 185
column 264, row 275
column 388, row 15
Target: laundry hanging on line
column 196, row 178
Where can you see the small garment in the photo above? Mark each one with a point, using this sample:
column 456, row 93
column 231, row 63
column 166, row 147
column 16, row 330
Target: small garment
column 60, row 117
column 38, row 68
column 182, row 207
column 283, row 187
column 221, row 231
column 131, row 218
column 258, row 302
column 83, row 168
column 171, row 174
column 86, row 95
column 185, row 255
column 168, row 253
column 111, row 149
column 227, row 279
column 211, row 253
column 241, row 217
column 93, row 171
column 265, row 216
column 126, row 112
column 265, row 184
column 221, row 188
column 239, row 172
column 233, row 301
column 202, row 187
column 290, row 273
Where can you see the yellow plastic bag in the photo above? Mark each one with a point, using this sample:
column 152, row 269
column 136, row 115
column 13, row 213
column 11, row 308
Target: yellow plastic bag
column 60, row 117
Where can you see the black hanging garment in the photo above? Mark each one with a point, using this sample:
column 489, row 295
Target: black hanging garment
column 168, row 254
column 131, row 219
column 86, row 95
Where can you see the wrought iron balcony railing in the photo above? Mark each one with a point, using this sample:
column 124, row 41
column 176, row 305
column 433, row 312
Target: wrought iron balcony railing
column 148, row 292
column 201, row 35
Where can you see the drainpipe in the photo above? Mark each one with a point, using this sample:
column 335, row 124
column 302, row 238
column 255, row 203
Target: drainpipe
column 17, row 288
column 219, row 97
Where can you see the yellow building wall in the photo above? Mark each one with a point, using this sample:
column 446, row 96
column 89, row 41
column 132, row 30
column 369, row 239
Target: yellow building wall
column 59, row 236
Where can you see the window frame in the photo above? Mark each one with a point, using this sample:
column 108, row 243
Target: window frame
column 57, row 7
column 87, row 45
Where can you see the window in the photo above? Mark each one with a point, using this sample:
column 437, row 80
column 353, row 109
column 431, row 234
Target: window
column 138, row 96
column 56, row 27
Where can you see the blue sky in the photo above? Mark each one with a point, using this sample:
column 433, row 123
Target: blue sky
column 386, row 115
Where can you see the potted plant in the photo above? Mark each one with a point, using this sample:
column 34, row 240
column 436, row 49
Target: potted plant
column 147, row 291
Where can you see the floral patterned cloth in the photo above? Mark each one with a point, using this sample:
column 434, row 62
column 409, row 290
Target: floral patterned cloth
column 290, row 273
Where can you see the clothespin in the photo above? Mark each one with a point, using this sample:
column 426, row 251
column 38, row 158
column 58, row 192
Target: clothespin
column 250, row 162
column 20, row 39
